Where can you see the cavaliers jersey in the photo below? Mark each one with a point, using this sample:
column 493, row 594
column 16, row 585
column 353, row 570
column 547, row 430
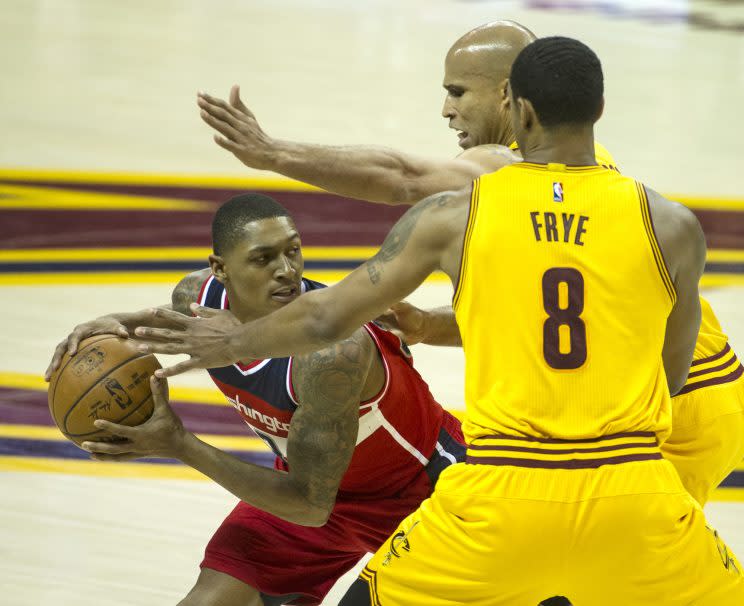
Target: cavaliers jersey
column 714, row 362
column 400, row 430
column 562, row 303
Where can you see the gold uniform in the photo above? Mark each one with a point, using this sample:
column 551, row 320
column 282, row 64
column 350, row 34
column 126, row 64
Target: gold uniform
column 707, row 439
column 565, row 490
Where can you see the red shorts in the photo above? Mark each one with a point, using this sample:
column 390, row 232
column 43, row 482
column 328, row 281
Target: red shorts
column 302, row 563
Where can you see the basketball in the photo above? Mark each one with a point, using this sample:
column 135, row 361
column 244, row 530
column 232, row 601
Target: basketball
column 106, row 379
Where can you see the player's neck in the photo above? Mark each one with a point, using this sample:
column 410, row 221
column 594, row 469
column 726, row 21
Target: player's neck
column 571, row 146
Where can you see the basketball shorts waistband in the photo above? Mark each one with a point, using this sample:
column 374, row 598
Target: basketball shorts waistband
column 553, row 453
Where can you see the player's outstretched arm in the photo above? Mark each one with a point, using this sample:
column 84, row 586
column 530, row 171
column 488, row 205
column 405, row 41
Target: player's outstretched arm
column 123, row 324
column 682, row 243
column 371, row 173
column 426, row 238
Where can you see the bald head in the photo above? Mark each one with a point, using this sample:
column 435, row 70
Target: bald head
column 476, row 71
column 492, row 48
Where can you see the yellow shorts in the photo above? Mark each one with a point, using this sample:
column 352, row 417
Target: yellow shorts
column 707, row 439
column 625, row 533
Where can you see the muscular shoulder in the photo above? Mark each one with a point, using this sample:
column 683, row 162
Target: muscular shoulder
column 678, row 232
column 335, row 377
column 187, row 290
column 442, row 215
column 489, row 158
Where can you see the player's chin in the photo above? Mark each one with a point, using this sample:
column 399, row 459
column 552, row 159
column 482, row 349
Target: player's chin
column 465, row 142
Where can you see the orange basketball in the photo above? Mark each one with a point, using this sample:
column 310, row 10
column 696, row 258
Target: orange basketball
column 106, row 379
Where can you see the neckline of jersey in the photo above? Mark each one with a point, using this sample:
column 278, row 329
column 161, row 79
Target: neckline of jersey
column 548, row 166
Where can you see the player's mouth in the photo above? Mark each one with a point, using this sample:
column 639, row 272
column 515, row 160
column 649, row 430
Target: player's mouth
column 285, row 294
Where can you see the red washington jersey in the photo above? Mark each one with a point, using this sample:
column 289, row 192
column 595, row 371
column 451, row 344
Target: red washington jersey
column 401, row 430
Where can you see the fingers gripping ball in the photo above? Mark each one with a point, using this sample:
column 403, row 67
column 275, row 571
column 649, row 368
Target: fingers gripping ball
column 106, row 379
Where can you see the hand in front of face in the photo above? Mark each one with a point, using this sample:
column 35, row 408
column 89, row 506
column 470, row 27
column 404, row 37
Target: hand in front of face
column 162, row 435
column 240, row 131
column 405, row 320
column 204, row 338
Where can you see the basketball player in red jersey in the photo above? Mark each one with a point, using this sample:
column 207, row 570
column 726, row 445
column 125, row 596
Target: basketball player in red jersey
column 359, row 439
column 707, row 440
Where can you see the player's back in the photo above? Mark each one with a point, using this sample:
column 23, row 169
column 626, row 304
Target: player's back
column 562, row 305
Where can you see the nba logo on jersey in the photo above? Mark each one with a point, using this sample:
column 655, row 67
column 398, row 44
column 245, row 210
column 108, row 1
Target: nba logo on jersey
column 557, row 192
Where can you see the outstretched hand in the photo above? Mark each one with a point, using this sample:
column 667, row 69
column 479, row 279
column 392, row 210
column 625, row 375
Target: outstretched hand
column 204, row 338
column 162, row 435
column 239, row 131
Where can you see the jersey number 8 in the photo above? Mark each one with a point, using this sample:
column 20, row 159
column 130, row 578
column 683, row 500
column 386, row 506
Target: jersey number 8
column 566, row 313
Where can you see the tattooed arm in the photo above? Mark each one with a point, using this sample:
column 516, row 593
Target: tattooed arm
column 428, row 237
column 322, row 436
column 187, row 290
column 323, row 432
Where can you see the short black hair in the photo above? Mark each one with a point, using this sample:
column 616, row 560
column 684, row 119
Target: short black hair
column 233, row 215
column 562, row 78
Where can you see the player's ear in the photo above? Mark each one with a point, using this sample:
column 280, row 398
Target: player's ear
column 504, row 92
column 217, row 265
column 527, row 116
column 601, row 109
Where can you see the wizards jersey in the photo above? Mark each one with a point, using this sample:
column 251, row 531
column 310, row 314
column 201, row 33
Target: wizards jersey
column 401, row 431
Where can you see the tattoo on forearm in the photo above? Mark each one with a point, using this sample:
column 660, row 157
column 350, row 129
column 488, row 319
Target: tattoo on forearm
column 396, row 240
column 187, row 291
column 324, row 428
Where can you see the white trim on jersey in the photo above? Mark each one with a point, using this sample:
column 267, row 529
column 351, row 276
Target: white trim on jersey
column 289, row 380
column 205, row 291
column 442, row 452
column 383, row 391
column 375, row 420
column 253, row 369
column 223, row 299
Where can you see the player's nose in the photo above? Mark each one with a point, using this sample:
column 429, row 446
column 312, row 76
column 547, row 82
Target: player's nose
column 448, row 111
column 285, row 267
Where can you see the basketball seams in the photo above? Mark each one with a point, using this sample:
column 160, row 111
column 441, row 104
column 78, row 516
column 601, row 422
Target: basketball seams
column 94, row 385
column 118, row 422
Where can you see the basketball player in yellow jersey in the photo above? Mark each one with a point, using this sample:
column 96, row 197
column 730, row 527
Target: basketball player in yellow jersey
column 707, row 439
column 570, row 357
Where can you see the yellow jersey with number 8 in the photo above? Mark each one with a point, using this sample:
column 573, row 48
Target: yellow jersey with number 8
column 562, row 303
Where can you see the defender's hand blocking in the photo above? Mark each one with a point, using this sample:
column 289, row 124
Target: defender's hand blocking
column 407, row 321
column 162, row 435
column 204, row 338
column 241, row 133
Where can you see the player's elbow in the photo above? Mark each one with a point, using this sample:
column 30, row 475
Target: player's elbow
column 676, row 383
